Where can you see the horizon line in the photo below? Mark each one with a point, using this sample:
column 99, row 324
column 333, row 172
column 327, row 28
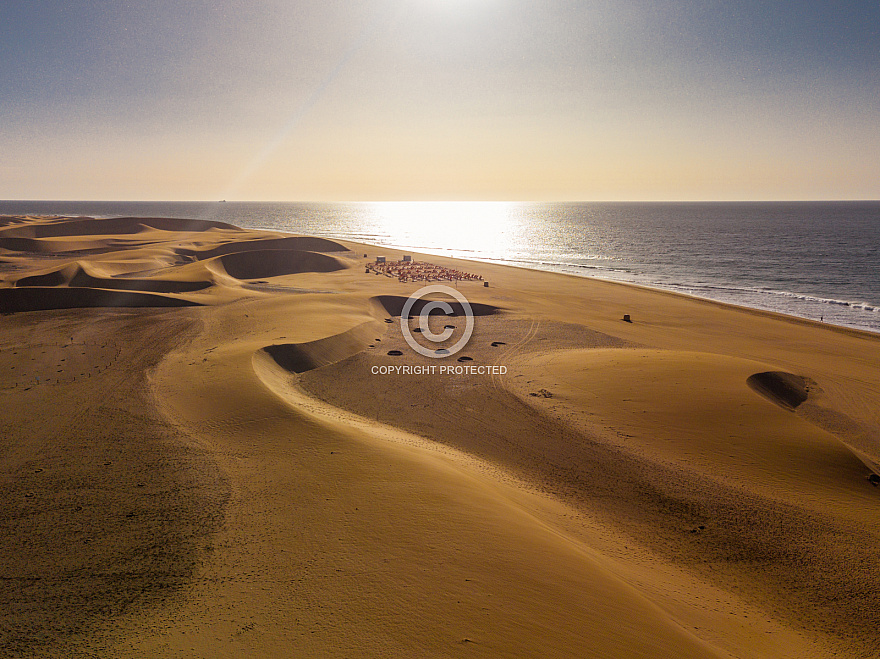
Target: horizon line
column 449, row 201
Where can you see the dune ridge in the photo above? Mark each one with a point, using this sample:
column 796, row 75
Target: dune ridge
column 291, row 243
column 590, row 596
column 77, row 275
column 301, row 357
column 48, row 257
column 88, row 226
column 263, row 263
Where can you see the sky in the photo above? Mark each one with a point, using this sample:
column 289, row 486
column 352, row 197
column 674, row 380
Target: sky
column 324, row 100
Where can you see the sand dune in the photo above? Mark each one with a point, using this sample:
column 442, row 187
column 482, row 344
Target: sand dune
column 104, row 506
column 48, row 246
column 48, row 277
column 25, row 244
column 791, row 392
column 292, row 243
column 82, row 278
column 77, row 275
column 485, row 559
column 85, row 253
column 87, row 226
column 237, row 477
column 263, row 263
column 301, row 357
column 37, row 298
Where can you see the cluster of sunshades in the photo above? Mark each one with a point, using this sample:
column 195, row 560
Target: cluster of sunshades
column 419, row 271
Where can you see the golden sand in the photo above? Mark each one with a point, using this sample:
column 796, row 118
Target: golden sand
column 202, row 459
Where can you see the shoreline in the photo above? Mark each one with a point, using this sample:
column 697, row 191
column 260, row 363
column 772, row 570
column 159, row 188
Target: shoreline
column 839, row 307
column 845, row 329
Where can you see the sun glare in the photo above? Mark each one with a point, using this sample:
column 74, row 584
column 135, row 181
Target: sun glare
column 458, row 226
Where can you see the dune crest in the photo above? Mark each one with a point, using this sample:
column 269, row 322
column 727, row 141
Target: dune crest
column 78, row 275
column 88, row 226
column 301, row 357
column 530, row 591
column 263, row 263
column 290, row 243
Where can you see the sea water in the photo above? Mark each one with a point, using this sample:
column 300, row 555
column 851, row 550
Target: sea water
column 817, row 260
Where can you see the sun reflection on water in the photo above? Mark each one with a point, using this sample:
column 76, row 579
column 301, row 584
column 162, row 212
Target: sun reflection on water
column 485, row 227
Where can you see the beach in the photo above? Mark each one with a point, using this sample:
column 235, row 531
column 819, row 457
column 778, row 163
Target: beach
column 209, row 451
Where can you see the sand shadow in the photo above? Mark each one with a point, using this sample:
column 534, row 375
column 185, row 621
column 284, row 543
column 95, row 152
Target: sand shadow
column 43, row 299
column 785, row 389
column 392, row 305
column 267, row 263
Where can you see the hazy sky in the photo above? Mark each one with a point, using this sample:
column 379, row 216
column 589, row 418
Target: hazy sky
column 439, row 99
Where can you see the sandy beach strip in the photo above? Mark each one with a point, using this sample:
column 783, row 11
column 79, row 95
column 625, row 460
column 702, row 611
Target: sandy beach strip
column 209, row 450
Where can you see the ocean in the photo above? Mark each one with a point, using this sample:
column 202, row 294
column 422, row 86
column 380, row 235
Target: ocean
column 817, row 260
